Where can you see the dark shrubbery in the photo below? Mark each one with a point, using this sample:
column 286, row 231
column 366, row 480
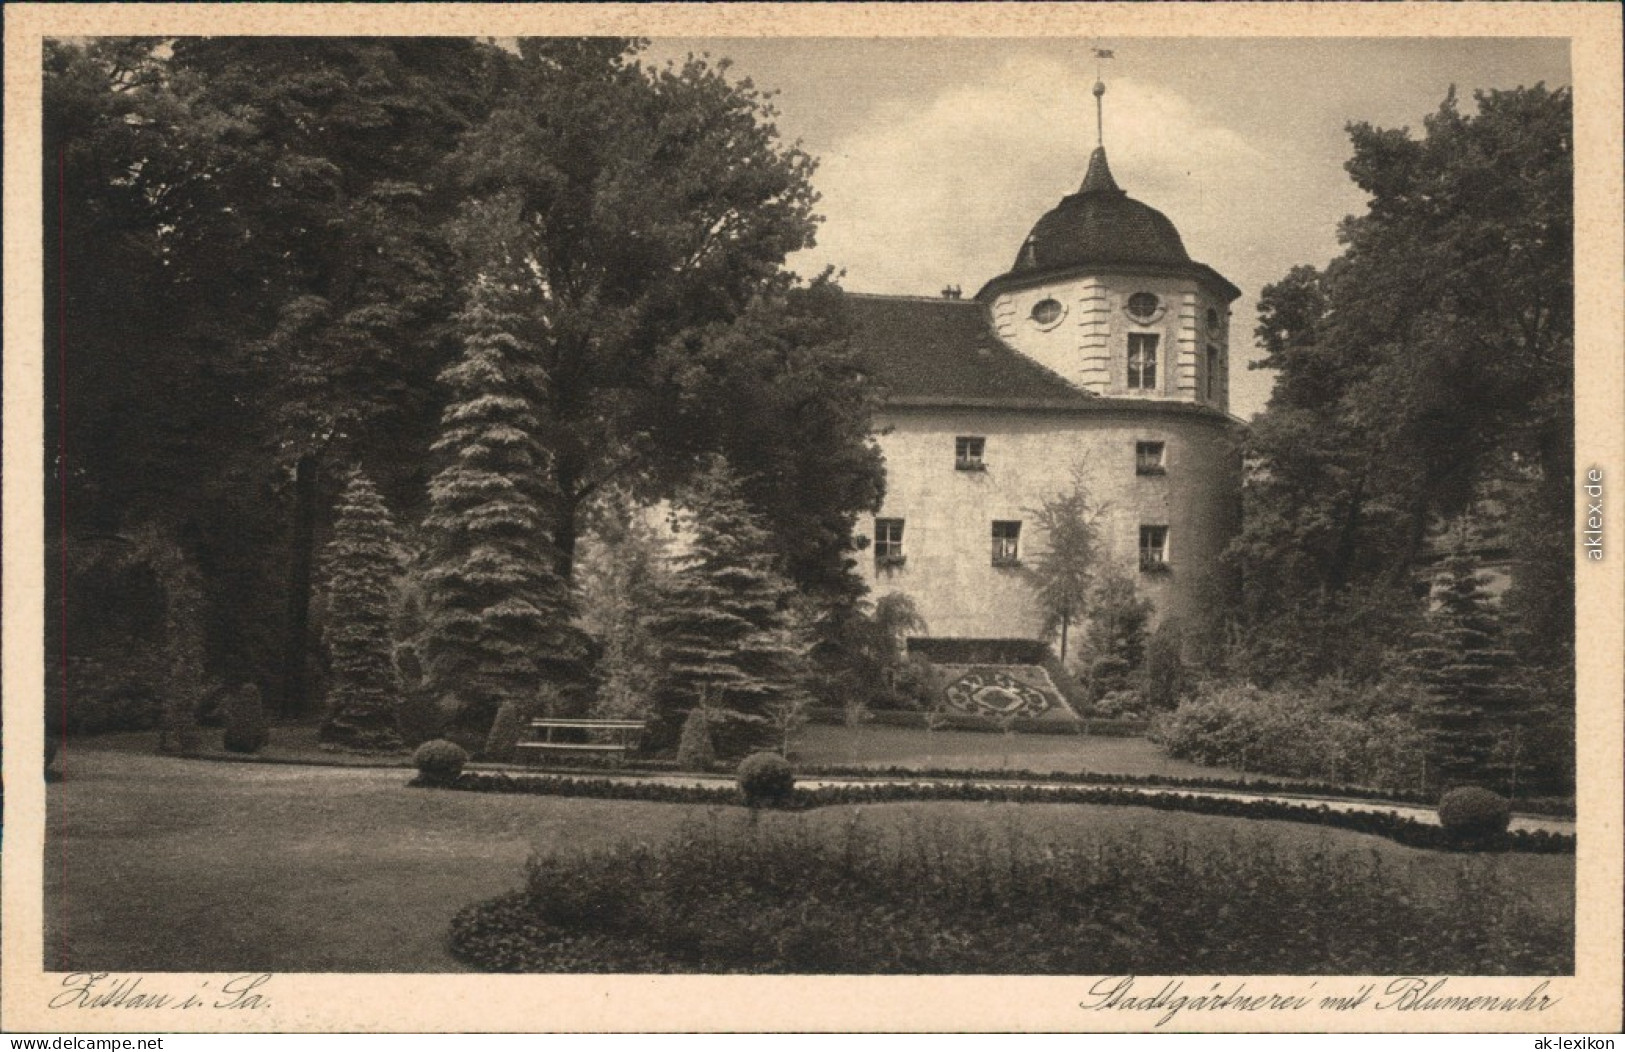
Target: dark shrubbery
column 766, row 780
column 178, row 731
column 94, row 695
column 440, row 762
column 1165, row 666
column 789, row 898
column 1474, row 815
column 1291, row 732
column 694, row 749
column 917, row 685
column 421, row 718
column 247, row 729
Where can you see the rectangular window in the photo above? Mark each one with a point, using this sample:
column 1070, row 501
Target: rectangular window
column 1212, row 373
column 1006, row 543
column 1142, row 361
column 889, row 542
column 968, row 453
column 1148, row 458
column 1153, row 548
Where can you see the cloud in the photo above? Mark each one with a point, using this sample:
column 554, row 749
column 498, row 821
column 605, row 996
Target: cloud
column 944, row 191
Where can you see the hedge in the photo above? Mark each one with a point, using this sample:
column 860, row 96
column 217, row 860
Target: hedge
column 1407, row 831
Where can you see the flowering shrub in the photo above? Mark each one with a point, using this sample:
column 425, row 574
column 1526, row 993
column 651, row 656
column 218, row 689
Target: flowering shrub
column 1284, row 732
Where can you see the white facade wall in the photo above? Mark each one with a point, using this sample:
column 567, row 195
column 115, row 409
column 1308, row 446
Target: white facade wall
column 1030, row 457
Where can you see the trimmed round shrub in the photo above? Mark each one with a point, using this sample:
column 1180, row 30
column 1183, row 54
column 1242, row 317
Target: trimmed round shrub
column 440, row 762
column 765, row 779
column 695, row 752
column 246, row 727
column 1474, row 814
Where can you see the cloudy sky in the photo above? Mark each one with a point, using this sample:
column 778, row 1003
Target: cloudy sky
column 938, row 155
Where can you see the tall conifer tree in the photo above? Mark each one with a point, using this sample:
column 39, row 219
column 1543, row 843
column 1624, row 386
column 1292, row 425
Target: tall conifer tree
column 363, row 569
column 726, row 637
column 1469, row 674
column 499, row 617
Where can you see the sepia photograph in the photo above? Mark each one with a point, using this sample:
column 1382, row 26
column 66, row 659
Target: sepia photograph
column 605, row 504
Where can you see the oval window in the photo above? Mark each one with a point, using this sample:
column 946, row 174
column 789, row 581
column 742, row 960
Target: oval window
column 1047, row 311
column 1143, row 306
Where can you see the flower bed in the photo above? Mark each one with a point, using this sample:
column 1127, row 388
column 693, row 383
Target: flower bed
column 944, row 898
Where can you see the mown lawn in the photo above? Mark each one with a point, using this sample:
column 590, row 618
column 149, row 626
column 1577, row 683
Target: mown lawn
column 872, row 746
column 865, row 746
column 162, row 864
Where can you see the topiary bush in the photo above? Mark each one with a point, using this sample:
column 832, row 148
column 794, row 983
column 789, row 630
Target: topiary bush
column 694, row 749
column 506, row 730
column 1473, row 815
column 440, row 762
column 766, row 780
column 247, row 729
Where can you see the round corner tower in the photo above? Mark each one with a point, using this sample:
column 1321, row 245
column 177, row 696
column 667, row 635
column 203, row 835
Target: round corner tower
column 1103, row 293
column 1100, row 357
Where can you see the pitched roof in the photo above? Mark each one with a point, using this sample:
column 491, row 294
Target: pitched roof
column 920, row 348
column 942, row 353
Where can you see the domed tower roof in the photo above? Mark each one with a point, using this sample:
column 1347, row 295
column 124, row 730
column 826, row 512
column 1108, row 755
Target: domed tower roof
column 1100, row 225
column 1102, row 228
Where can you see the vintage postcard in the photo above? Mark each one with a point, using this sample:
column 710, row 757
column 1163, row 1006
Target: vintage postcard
column 851, row 517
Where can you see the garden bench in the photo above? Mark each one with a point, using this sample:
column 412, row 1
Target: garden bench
column 622, row 733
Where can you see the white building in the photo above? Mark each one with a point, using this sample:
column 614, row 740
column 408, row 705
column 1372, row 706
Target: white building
column 1105, row 349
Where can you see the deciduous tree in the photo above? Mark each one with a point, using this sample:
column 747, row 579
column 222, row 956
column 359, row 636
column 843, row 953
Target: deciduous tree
column 1063, row 572
column 647, row 212
column 1428, row 369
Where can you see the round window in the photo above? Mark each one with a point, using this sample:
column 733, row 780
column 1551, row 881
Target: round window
column 1143, row 306
column 1047, row 311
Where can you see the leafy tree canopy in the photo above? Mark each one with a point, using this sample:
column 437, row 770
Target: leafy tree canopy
column 1428, row 370
column 646, row 215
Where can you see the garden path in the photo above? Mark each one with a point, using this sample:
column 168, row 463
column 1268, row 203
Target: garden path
column 1528, row 823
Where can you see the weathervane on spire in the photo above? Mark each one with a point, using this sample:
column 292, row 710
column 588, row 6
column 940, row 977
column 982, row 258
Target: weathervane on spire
column 1101, row 54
